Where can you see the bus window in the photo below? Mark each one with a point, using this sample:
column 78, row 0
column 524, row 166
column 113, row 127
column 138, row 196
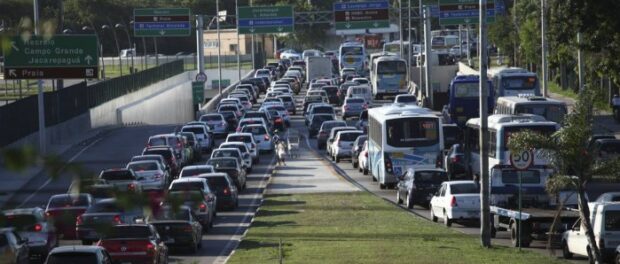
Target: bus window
column 352, row 51
column 412, row 132
column 553, row 113
column 466, row 90
column 519, row 83
column 391, row 67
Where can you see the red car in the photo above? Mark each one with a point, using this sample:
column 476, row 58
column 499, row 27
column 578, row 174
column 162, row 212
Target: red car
column 63, row 209
column 136, row 243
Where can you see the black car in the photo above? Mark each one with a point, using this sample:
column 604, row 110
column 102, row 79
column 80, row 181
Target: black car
column 168, row 154
column 417, row 186
column 452, row 134
column 605, row 149
column 178, row 228
column 358, row 145
column 455, row 163
column 317, row 122
column 232, row 167
column 332, row 94
column 342, row 91
column 225, row 190
column 311, row 99
column 231, row 119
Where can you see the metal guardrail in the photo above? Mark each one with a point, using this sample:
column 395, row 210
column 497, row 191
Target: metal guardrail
column 20, row 118
column 210, row 106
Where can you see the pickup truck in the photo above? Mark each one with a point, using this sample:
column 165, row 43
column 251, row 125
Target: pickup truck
column 456, row 201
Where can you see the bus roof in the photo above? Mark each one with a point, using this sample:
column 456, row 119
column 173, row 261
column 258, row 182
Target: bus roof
column 499, row 121
column 512, row 100
column 351, row 44
column 510, row 71
column 389, row 58
column 391, row 111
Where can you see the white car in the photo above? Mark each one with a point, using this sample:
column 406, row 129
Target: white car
column 150, row 173
column 216, row 122
column 290, row 54
column 604, row 220
column 456, row 201
column 281, row 109
column 248, row 140
column 202, row 135
column 363, row 159
column 261, row 137
column 342, row 146
column 245, row 159
column 263, row 73
column 244, row 150
column 195, row 170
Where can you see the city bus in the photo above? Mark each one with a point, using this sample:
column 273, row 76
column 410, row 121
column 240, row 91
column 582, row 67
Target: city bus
column 374, row 56
column 503, row 176
column 551, row 109
column 388, row 76
column 353, row 55
column 513, row 81
column 400, row 137
column 464, row 99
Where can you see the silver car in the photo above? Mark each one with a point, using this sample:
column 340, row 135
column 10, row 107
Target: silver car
column 247, row 156
column 353, row 106
column 122, row 179
column 234, row 153
column 342, row 146
column 195, row 170
column 248, row 140
column 216, row 122
column 151, row 174
column 261, row 137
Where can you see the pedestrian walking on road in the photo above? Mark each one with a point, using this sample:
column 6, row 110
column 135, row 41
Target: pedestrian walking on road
column 281, row 153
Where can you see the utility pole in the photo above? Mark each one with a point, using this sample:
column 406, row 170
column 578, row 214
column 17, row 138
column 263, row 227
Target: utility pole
column 580, row 62
column 400, row 26
column 543, row 37
column 427, row 55
column 40, row 96
column 422, row 45
column 409, row 44
column 485, row 212
column 252, row 40
column 61, row 24
column 468, row 46
column 219, row 48
column 200, row 43
column 238, row 47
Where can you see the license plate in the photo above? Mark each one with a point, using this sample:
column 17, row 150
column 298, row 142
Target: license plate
column 170, row 240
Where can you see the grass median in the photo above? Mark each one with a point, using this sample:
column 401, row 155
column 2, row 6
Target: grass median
column 359, row 228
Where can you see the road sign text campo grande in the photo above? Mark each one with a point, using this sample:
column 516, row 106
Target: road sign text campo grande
column 58, row 57
column 265, row 19
column 162, row 22
column 361, row 15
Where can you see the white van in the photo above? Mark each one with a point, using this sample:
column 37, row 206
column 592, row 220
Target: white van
column 362, row 91
column 605, row 220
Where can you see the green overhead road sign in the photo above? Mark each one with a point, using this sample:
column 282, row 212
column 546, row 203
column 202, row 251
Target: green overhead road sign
column 265, row 19
column 162, row 22
column 58, row 57
column 461, row 12
column 361, row 15
column 198, row 92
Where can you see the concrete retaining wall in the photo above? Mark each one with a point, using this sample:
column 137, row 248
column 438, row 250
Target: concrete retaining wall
column 210, row 106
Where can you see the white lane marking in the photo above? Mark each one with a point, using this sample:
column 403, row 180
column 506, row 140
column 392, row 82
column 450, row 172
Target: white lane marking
column 248, row 213
column 61, row 169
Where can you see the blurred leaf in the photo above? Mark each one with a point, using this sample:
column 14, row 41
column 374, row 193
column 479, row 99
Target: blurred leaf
column 19, row 159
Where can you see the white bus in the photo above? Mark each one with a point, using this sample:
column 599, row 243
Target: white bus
column 551, row 109
column 374, row 56
column 513, row 81
column 353, row 55
column 388, row 76
column 504, row 178
column 402, row 137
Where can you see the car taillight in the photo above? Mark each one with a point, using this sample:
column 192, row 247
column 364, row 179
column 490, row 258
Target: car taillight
column 38, row 227
column 278, row 120
column 453, row 202
column 202, row 207
column 117, row 219
column 388, row 164
column 188, row 228
column 131, row 187
column 150, row 248
column 79, row 220
column 456, row 159
column 266, row 137
column 226, row 191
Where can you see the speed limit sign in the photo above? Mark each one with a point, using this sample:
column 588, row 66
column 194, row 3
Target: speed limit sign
column 523, row 160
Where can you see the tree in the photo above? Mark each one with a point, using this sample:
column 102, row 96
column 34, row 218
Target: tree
column 574, row 165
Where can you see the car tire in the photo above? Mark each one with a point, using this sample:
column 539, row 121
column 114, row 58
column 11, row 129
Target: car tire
column 336, row 158
column 354, row 164
column 409, row 200
column 446, row 220
column 365, row 171
column 568, row 255
column 374, row 178
column 399, row 200
column 382, row 186
column 200, row 242
column 359, row 168
column 193, row 248
column 433, row 217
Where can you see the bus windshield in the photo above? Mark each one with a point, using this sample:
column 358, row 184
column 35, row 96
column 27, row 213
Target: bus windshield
column 391, row 67
column 412, row 132
column 462, row 90
column 508, row 131
column 352, row 51
column 554, row 113
column 391, row 47
column 519, row 82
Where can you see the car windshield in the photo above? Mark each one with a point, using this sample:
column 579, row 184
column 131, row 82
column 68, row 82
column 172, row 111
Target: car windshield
column 120, row 175
column 217, row 182
column 611, row 147
column 286, row 98
column 240, row 147
column 169, row 214
column 329, row 125
column 245, row 139
column 143, row 166
column 435, row 177
column 195, row 130
column 157, row 141
column 164, row 153
column 21, row 222
column 227, row 108
column 106, row 207
column 72, row 258
column 349, row 137
column 223, row 163
column 352, row 51
column 320, row 118
column 128, row 232
column 412, row 132
column 101, row 192
column 391, row 67
column 186, row 195
column 3, row 241
column 255, row 130
column 195, row 171
column 323, row 110
column 194, row 185
column 211, row 118
column 463, row 188
column 407, row 99
column 354, row 101
column 68, row 201
column 225, row 154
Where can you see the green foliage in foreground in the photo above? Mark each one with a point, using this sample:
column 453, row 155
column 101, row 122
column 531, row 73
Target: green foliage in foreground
column 359, row 228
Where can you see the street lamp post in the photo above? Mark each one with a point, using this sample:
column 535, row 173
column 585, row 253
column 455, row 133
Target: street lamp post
column 118, row 50
column 124, row 28
column 143, row 47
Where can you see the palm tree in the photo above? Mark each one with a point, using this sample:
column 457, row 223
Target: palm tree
column 574, row 165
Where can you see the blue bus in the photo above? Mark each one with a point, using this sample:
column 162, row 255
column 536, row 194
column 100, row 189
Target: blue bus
column 401, row 137
column 388, row 76
column 353, row 55
column 463, row 100
column 513, row 81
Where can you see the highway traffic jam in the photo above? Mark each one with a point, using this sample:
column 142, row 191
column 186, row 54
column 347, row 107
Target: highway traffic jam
column 357, row 108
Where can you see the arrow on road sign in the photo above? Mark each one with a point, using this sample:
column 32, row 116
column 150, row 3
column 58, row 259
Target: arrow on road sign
column 162, row 32
column 347, row 25
column 14, row 46
column 375, row 24
column 88, row 59
column 12, row 73
column 280, row 28
column 252, row 30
